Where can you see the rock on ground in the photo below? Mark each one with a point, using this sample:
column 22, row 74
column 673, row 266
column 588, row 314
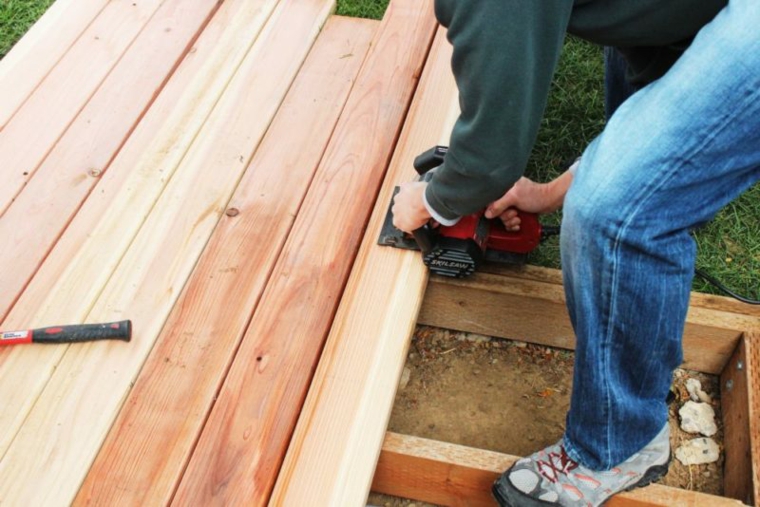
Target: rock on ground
column 698, row 418
column 698, row 451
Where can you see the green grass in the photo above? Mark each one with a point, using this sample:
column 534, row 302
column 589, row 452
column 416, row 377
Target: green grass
column 16, row 16
column 728, row 247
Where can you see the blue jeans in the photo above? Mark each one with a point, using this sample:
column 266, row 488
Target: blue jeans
column 670, row 157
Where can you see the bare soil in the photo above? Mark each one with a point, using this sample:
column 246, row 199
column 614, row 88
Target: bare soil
column 511, row 397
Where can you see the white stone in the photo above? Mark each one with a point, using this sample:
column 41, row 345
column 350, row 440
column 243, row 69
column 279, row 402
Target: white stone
column 698, row 418
column 694, row 386
column 698, row 451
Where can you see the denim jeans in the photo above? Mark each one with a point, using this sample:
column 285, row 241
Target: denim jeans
column 670, row 157
column 616, row 87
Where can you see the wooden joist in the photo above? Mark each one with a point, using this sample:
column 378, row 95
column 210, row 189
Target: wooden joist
column 530, row 306
column 34, row 129
column 79, row 403
column 35, row 55
column 337, row 441
column 84, row 152
column 455, row 475
column 245, row 439
column 150, row 443
column 84, row 259
column 740, row 406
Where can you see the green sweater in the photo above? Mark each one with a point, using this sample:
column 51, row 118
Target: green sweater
column 505, row 53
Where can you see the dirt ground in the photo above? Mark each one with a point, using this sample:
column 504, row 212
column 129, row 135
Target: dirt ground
column 510, row 397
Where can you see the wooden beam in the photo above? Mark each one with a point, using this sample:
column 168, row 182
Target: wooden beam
column 529, row 305
column 150, row 443
column 243, row 444
column 740, row 405
column 47, row 113
column 455, row 475
column 36, row 219
column 86, row 391
column 77, row 270
column 337, row 441
column 40, row 49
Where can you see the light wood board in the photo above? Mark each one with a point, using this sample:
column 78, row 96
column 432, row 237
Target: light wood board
column 34, row 129
column 249, row 429
column 455, row 475
column 36, row 219
column 337, row 441
column 77, row 270
column 40, row 49
column 149, row 446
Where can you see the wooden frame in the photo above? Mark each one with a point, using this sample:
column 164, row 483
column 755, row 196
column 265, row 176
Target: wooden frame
column 721, row 338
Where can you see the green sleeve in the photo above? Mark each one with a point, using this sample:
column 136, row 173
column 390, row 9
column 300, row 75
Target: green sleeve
column 505, row 53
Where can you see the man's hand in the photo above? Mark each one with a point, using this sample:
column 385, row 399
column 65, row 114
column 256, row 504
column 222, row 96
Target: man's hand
column 529, row 196
column 409, row 212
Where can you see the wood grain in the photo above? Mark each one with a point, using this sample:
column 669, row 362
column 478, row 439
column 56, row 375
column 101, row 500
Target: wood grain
column 90, row 383
column 454, row 475
column 740, row 385
column 529, row 305
column 150, row 443
column 337, row 441
column 40, row 49
column 239, row 453
column 77, row 270
column 34, row 129
column 36, row 219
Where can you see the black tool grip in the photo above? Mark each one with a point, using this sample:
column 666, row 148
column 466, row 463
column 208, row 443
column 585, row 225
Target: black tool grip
column 430, row 159
column 84, row 333
column 425, row 238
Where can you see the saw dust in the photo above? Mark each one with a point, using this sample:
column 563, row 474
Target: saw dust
column 511, row 397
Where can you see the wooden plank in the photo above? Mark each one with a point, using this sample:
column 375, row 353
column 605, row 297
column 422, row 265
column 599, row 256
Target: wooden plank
column 337, row 441
column 455, row 475
column 40, row 49
column 35, row 128
column 35, row 220
column 89, row 385
column 244, row 442
column 77, row 270
column 150, row 443
column 531, row 307
column 740, row 390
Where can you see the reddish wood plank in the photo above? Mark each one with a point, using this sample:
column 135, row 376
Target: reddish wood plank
column 36, row 219
column 40, row 49
column 455, row 475
column 34, row 129
column 240, row 450
column 150, row 443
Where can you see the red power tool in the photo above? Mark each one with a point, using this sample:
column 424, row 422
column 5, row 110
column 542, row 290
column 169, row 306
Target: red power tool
column 458, row 251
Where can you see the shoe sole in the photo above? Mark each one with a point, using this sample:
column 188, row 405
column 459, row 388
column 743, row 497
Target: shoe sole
column 650, row 476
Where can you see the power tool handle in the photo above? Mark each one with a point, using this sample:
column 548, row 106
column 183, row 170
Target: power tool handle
column 425, row 239
column 430, row 159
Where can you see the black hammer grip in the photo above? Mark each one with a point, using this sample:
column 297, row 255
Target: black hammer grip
column 70, row 334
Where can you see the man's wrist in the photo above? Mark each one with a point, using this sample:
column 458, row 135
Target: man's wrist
column 437, row 216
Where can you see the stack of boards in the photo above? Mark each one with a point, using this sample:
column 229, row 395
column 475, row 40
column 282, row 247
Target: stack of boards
column 209, row 170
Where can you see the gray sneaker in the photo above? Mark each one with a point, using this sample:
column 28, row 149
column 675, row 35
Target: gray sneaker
column 551, row 477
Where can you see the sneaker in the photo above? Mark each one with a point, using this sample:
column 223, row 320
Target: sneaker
column 551, row 477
